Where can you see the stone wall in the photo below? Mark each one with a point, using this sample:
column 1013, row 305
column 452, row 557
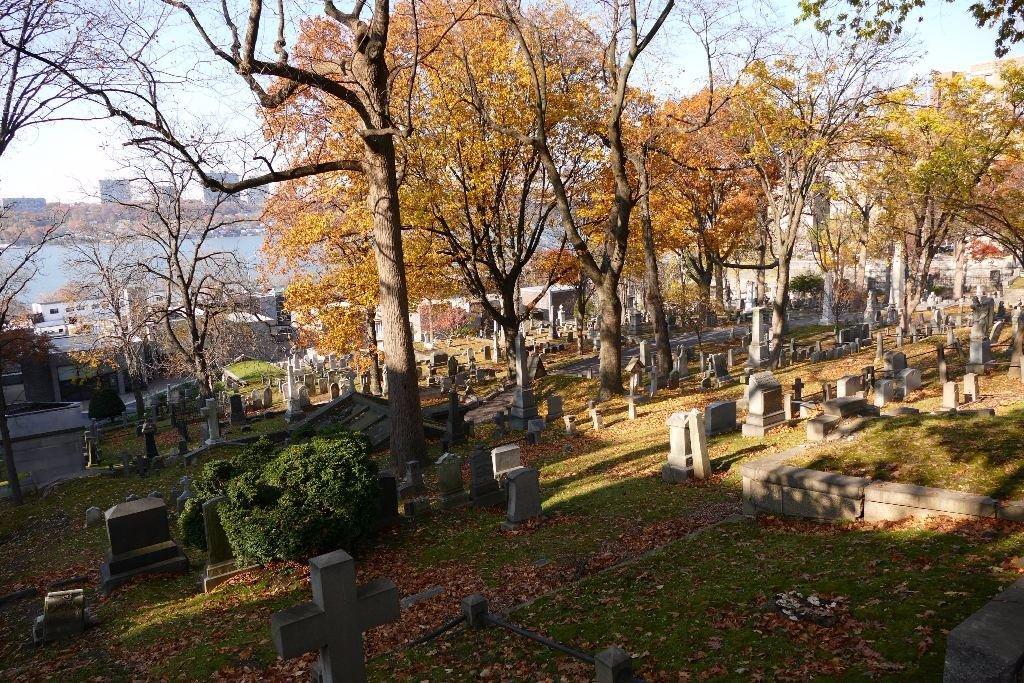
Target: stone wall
column 771, row 486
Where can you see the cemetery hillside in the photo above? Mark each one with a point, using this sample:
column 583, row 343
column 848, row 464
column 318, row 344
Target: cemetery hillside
column 614, row 340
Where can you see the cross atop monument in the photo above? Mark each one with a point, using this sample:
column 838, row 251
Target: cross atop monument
column 334, row 622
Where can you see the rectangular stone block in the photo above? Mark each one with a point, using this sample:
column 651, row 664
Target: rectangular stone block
column 1012, row 510
column 845, row 406
column 804, row 503
column 760, row 495
column 819, row 427
column 938, row 500
column 987, row 647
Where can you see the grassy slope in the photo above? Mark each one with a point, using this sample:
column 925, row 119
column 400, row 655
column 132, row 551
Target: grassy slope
column 695, row 606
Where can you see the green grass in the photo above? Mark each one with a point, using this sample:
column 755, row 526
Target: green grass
column 251, row 371
column 696, row 605
column 983, row 455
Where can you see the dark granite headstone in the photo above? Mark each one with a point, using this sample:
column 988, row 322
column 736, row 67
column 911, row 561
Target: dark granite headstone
column 140, row 543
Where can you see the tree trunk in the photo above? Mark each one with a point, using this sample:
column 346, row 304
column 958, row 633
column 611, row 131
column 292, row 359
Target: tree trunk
column 611, row 337
column 719, row 286
column 959, row 267
column 5, row 438
column 407, row 437
column 779, row 305
column 655, row 301
column 761, row 285
column 376, row 385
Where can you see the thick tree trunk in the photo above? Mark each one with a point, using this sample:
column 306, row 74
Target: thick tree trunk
column 655, row 302
column 959, row 267
column 780, row 304
column 11, row 469
column 719, row 286
column 761, row 285
column 407, row 438
column 611, row 337
column 376, row 385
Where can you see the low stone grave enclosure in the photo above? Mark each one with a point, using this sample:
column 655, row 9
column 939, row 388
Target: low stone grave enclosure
column 769, row 485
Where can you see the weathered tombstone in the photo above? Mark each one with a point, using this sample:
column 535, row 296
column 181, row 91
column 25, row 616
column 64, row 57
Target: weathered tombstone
column 554, row 407
column 757, row 351
column 237, row 410
column 523, row 485
column 220, row 558
column 1017, row 347
column 455, row 426
column 483, row 487
column 720, row 417
column 885, row 392
column 334, row 622
column 848, row 386
column 596, row 419
column 186, row 493
column 688, row 451
column 895, row 362
column 524, row 407
column 149, row 435
column 950, row 396
column 910, row 380
column 972, row 387
column 453, row 366
column 940, row 361
column 505, row 458
column 304, row 401
column 449, row 481
column 93, row 517
column 335, row 390
column 764, row 404
column 499, row 424
column 387, row 500
column 212, row 423
column 981, row 345
column 534, row 429
column 64, row 615
column 140, row 543
column 412, row 485
column 570, row 424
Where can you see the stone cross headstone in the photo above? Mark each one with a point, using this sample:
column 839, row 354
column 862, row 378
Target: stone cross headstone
column 334, row 622
column 212, row 424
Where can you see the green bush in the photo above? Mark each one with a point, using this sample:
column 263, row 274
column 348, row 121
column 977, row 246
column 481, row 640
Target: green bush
column 211, row 481
column 315, row 496
column 105, row 403
column 807, row 283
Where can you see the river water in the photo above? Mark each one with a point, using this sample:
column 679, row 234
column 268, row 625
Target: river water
column 53, row 272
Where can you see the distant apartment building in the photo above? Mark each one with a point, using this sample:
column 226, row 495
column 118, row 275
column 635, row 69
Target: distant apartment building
column 115, row 191
column 27, row 204
column 60, row 318
column 990, row 72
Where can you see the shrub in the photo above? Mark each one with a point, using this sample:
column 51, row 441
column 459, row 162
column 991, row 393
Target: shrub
column 211, row 481
column 315, row 496
column 105, row 403
column 807, row 283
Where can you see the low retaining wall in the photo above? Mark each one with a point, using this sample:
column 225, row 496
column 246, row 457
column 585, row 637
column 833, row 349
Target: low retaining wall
column 770, row 486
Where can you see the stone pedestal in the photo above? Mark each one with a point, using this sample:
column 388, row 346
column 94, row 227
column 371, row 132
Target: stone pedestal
column 980, row 356
column 688, row 452
column 524, row 408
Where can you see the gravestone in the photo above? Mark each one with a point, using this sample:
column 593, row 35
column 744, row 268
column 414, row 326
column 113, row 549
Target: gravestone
column 483, row 487
column 335, row 390
column 237, row 410
column 387, row 500
column 972, row 387
column 764, row 404
column 64, row 615
column 757, row 351
column 268, row 398
column 149, row 436
column 449, row 481
column 895, row 362
column 505, row 458
column 523, row 486
column 910, row 380
column 688, row 451
column 570, row 424
column 950, row 396
column 981, row 345
column 93, row 517
column 885, row 392
column 140, row 543
column 848, row 386
column 554, row 407
column 534, row 429
column 334, row 622
column 720, row 417
column 220, row 558
column 212, row 424
column 524, row 407
column 455, row 426
column 304, row 401
column 596, row 419
column 453, row 366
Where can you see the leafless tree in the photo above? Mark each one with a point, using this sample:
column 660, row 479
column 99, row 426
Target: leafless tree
column 109, row 272
column 204, row 298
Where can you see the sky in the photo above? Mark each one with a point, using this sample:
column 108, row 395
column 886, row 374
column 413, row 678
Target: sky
column 64, row 161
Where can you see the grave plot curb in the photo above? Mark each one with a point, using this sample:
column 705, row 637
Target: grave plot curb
column 769, row 485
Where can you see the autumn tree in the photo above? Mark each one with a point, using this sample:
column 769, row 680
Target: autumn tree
column 486, row 197
column 997, row 210
column 799, row 113
column 550, row 49
column 343, row 60
column 944, row 142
